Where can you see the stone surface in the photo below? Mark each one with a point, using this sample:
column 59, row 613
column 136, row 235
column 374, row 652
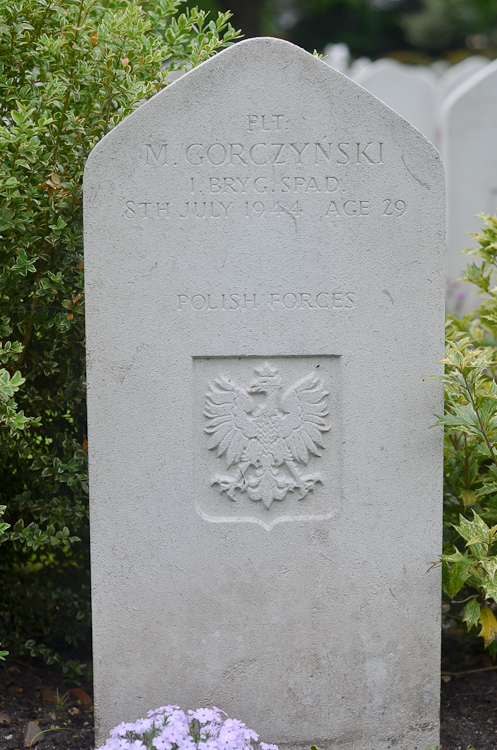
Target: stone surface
column 264, row 273
column 408, row 90
column 468, row 131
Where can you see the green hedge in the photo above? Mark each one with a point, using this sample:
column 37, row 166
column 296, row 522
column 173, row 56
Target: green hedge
column 70, row 70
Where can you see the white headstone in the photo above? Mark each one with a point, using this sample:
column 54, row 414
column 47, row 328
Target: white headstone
column 406, row 90
column 337, row 56
column 458, row 74
column 264, row 274
column 439, row 67
column 469, row 133
column 358, row 65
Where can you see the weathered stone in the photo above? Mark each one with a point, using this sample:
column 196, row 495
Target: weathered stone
column 264, row 273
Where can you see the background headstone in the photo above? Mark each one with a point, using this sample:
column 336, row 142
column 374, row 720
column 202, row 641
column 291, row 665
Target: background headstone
column 468, row 133
column 337, row 56
column 458, row 74
column 407, row 90
column 358, row 65
column 264, row 272
column 439, row 67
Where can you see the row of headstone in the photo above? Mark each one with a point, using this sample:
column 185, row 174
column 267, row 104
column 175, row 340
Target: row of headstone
column 409, row 90
column 417, row 92
column 468, row 149
column 264, row 271
column 456, row 109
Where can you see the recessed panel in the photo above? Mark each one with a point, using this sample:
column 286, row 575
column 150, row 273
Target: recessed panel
column 267, row 438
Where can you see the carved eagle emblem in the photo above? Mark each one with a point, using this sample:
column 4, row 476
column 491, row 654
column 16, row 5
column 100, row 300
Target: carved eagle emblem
column 267, row 442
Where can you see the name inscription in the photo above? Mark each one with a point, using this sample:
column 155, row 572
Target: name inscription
column 263, row 153
column 262, row 173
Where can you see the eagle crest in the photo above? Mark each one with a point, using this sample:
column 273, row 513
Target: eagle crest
column 267, row 444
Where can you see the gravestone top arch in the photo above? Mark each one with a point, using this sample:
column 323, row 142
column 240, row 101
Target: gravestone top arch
column 264, row 261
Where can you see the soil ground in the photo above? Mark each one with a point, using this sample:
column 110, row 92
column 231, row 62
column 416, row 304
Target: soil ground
column 468, row 711
column 31, row 692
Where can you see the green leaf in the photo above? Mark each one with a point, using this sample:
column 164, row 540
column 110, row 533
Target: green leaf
column 458, row 575
column 471, row 613
column 469, row 497
column 490, row 565
column 63, row 85
column 476, row 533
column 17, row 117
column 490, row 589
column 478, row 539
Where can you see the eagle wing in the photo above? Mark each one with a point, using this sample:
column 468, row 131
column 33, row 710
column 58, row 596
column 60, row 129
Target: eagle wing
column 231, row 430
column 302, row 426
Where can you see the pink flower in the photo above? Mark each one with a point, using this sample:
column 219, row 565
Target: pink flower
column 169, row 728
column 143, row 725
column 116, row 743
column 163, row 710
column 161, row 743
column 249, row 734
column 204, row 714
column 121, row 729
column 187, row 743
column 210, row 744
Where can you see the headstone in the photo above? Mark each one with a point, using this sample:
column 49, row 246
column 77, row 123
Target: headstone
column 458, row 74
column 406, row 90
column 337, row 56
column 439, row 67
column 358, row 65
column 468, row 133
column 425, row 72
column 264, row 273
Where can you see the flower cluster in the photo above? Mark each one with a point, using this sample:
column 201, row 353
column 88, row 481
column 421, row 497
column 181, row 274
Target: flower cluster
column 169, row 728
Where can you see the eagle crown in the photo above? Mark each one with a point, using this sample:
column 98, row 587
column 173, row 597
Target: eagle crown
column 269, row 382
